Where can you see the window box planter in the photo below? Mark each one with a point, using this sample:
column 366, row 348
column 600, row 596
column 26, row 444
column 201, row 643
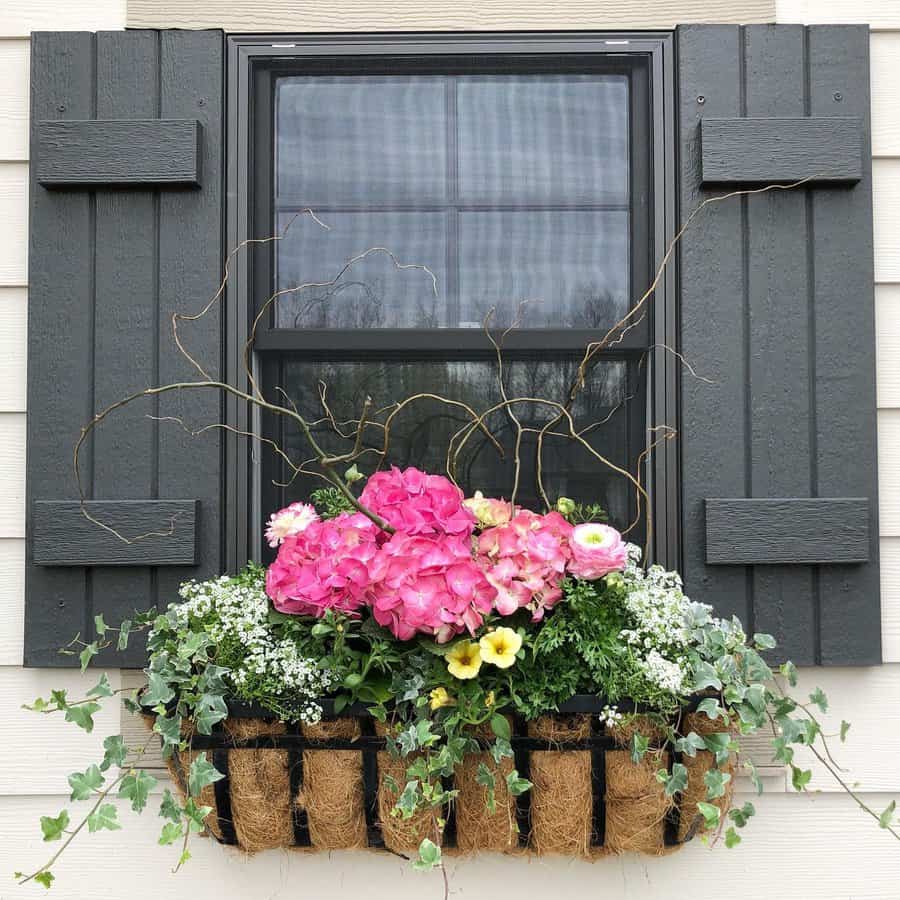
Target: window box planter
column 323, row 786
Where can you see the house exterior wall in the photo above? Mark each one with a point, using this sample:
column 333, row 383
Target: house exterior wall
column 800, row 845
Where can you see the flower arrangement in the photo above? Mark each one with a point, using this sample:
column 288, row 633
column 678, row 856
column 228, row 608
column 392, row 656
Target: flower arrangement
column 451, row 617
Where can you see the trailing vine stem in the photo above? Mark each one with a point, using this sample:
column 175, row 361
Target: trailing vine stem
column 102, row 795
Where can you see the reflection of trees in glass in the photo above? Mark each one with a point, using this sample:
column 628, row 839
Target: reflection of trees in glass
column 421, row 433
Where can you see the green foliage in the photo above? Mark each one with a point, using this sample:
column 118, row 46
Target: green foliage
column 53, row 828
column 330, row 502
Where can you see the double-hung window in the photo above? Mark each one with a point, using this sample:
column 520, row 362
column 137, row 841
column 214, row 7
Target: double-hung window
column 457, row 187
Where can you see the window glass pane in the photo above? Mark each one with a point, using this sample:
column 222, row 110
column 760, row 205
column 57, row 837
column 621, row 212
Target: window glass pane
column 570, row 267
column 508, row 187
column 374, row 292
column 543, row 139
column 360, row 139
column 421, row 433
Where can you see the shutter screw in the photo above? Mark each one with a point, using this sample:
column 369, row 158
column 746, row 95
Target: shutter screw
column 701, row 99
column 838, row 96
column 61, row 107
column 201, row 102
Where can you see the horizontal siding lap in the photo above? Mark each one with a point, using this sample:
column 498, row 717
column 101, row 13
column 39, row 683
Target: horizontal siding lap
column 14, row 219
column 14, row 100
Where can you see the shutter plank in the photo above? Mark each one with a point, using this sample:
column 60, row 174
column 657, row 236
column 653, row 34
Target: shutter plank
column 190, row 269
column 712, row 434
column 784, row 601
column 60, row 316
column 844, row 363
column 126, row 300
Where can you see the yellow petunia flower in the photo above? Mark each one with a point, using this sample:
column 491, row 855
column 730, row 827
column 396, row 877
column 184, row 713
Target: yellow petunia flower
column 464, row 660
column 500, row 647
column 440, row 698
column 489, row 699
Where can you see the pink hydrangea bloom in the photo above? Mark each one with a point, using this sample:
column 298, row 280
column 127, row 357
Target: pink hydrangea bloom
column 428, row 584
column 289, row 521
column 417, row 503
column 489, row 511
column 326, row 566
column 597, row 550
column 525, row 561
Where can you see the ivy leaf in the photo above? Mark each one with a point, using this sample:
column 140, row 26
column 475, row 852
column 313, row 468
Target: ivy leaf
column 202, row 773
column 429, row 855
column 742, row 816
column 86, row 655
column 516, row 785
column 102, row 688
column 124, row 632
column 845, row 727
column 196, row 815
column 409, row 799
column 705, row 676
column 82, row 714
column 210, row 709
column 800, row 778
column 715, row 781
column 171, row 832
column 168, row 808
column 711, row 814
column 84, row 784
column 674, row 782
column 485, row 777
column 136, row 787
column 408, row 740
column 711, row 707
column 116, row 752
column 500, row 726
column 59, row 698
column 789, row 671
column 501, row 749
column 690, row 744
column 158, row 692
column 53, row 828
column 639, row 747
column 169, row 729
column 721, row 744
column 45, row 878
column 424, row 735
column 764, row 641
column 783, row 752
column 100, row 626
column 819, row 699
column 105, row 817
column 732, row 838
column 886, row 818
column 755, row 780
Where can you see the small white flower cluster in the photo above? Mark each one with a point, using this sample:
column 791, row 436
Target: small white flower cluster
column 240, row 613
column 661, row 632
column 610, row 715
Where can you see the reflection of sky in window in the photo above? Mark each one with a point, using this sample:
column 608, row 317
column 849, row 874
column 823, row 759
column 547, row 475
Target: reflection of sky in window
column 385, row 162
column 421, row 434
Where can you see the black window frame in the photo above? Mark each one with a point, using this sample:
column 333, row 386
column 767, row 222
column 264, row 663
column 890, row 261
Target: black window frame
column 252, row 62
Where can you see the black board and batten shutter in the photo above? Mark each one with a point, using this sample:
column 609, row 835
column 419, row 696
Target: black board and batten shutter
column 126, row 213
column 779, row 487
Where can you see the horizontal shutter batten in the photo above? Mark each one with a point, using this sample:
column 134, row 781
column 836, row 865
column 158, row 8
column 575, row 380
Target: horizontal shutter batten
column 789, row 531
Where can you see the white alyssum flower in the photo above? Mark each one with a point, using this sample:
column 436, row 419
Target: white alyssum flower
column 610, row 715
column 240, row 613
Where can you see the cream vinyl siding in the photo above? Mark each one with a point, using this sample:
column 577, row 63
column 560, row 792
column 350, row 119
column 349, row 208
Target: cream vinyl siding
column 816, row 845
column 438, row 15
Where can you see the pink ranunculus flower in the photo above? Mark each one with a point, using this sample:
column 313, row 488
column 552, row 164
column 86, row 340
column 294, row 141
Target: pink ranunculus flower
column 597, row 550
column 428, row 584
column 289, row 521
column 325, row 566
column 488, row 511
column 417, row 503
column 525, row 561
